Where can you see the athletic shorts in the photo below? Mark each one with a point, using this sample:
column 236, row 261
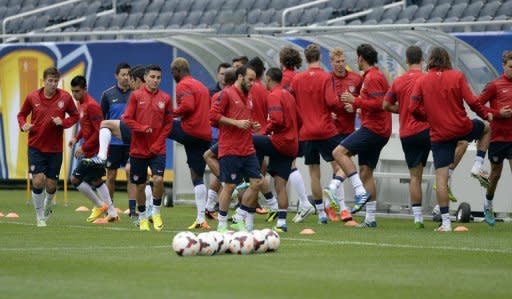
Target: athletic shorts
column 499, row 151
column 126, row 133
column 118, row 156
column 416, row 148
column 314, row 148
column 366, row 145
column 278, row 164
column 88, row 173
column 233, row 169
column 194, row 148
column 47, row 163
column 139, row 168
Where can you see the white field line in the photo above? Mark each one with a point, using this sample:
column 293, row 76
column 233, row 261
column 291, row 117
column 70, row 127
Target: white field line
column 305, row 240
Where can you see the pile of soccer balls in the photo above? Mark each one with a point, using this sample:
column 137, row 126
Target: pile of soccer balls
column 211, row 243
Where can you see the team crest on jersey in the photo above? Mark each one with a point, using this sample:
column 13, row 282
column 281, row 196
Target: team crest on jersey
column 161, row 104
column 351, row 89
column 81, row 114
column 109, row 164
column 495, row 159
column 60, row 104
column 135, row 178
column 32, row 167
column 250, row 104
column 233, row 176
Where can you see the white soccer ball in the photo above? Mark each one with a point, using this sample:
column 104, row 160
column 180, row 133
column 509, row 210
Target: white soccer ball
column 273, row 240
column 228, row 236
column 260, row 241
column 219, row 240
column 241, row 243
column 185, row 244
column 207, row 244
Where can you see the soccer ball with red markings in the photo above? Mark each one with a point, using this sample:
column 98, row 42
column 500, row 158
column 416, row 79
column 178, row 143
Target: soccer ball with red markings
column 273, row 240
column 260, row 241
column 185, row 244
column 219, row 241
column 228, row 236
column 207, row 244
column 241, row 243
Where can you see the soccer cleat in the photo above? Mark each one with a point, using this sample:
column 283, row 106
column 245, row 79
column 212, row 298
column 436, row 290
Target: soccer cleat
column 346, row 216
column 322, row 220
column 451, row 196
column 96, row 213
column 333, row 199
column 482, row 177
column 144, row 225
column 303, row 213
column 360, row 202
column 331, row 213
column 158, row 224
column 211, row 215
column 272, row 214
column 114, row 219
column 48, row 210
column 489, row 216
column 222, row 229
column 365, row 224
column 239, row 226
column 95, row 161
column 41, row 223
column 419, row 225
column 280, row 229
column 443, row 228
column 197, row 225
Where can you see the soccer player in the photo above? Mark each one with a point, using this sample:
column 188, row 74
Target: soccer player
column 499, row 94
column 281, row 143
column 414, row 134
column 314, row 94
column 368, row 141
column 445, row 90
column 232, row 113
column 192, row 129
column 291, row 61
column 239, row 61
column 221, row 69
column 344, row 119
column 149, row 116
column 87, row 179
column 47, row 107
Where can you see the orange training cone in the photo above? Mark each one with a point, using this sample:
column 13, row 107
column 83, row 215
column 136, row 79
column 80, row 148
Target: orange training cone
column 307, row 231
column 82, row 209
column 12, row 215
column 461, row 229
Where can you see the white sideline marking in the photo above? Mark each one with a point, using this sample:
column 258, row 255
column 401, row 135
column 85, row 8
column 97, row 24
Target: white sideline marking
column 319, row 241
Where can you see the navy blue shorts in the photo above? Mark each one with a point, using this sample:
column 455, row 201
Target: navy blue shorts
column 366, row 145
column 499, row 151
column 47, row 163
column 278, row 164
column 233, row 169
column 118, row 156
column 88, row 173
column 444, row 151
column 139, row 168
column 194, row 148
column 416, row 148
column 314, row 148
column 126, row 133
column 302, row 144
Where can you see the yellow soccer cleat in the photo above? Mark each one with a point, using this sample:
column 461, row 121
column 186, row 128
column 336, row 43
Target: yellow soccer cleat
column 158, row 224
column 96, row 213
column 196, row 225
column 144, row 225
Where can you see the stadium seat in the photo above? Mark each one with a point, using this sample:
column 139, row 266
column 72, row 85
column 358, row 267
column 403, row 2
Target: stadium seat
column 376, row 3
column 178, row 18
column 92, row 8
column 241, row 29
column 450, row 20
column 88, row 22
column 27, row 24
column 148, row 19
column 293, row 17
column 440, row 11
column 226, row 28
column 337, row 4
column 208, row 17
column 199, row 5
column 77, row 11
column 490, row 9
column 324, row 15
column 457, row 10
column 133, row 19
column 391, row 13
column 214, row 4
column 424, row 11
column 193, row 18
column 370, row 22
column 184, row 6
column 376, row 14
column 386, row 21
column 433, row 2
column 506, row 8
column 481, row 28
column 103, row 21
column 254, row 16
column 119, row 19
column 418, row 21
column 361, row 5
column 309, row 15
column 268, row 16
column 279, row 4
column 455, row 2
column 408, row 12
column 261, row 4
column 246, row 4
column 403, row 21
column 496, row 27
column 473, row 9
column 169, row 6
column 355, row 22
column 140, row 6
column 230, row 5
column 155, row 6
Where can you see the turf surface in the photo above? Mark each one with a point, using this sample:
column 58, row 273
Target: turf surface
column 74, row 259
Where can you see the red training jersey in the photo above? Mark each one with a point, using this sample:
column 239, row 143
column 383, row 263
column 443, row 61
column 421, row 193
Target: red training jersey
column 232, row 103
column 401, row 91
column 439, row 97
column 315, row 98
column 370, row 100
column 91, row 116
column 148, row 110
column 499, row 94
column 351, row 82
column 287, row 79
column 193, row 100
column 283, row 123
column 258, row 97
column 45, row 135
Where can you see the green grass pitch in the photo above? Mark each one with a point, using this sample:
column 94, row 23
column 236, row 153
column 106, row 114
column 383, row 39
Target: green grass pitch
column 74, row 259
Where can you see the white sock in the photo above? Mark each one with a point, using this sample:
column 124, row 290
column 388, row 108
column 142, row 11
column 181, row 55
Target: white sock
column 212, row 200
column 200, row 194
column 105, row 137
column 223, row 221
column 272, row 203
column 48, row 200
column 86, row 190
column 334, row 184
column 487, row 203
column 155, row 208
column 371, row 208
column 249, row 221
column 142, row 215
column 340, row 193
column 355, row 180
column 281, row 222
column 105, row 197
column 479, row 163
column 37, row 200
column 297, row 184
column 239, row 215
column 446, row 220
column 418, row 215
column 149, row 198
